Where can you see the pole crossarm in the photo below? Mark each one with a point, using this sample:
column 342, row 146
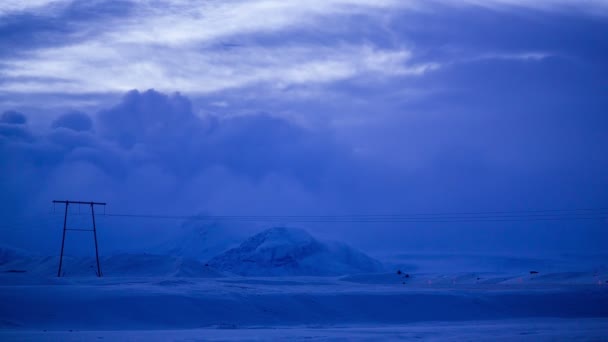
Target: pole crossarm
column 79, row 202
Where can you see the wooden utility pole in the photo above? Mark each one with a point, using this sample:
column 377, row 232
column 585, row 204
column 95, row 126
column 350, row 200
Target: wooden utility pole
column 65, row 228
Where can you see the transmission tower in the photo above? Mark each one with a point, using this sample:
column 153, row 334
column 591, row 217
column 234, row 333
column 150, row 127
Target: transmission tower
column 65, row 228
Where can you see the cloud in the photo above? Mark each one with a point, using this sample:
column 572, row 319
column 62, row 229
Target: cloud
column 75, row 121
column 163, row 130
column 148, row 148
column 524, row 56
column 177, row 23
column 85, row 67
column 154, row 133
column 152, row 153
column 13, row 117
column 172, row 45
column 12, row 126
column 17, row 6
column 13, row 131
column 595, row 7
column 338, row 106
column 204, row 47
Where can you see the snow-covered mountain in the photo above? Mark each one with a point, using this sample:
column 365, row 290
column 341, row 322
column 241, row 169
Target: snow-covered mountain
column 291, row 251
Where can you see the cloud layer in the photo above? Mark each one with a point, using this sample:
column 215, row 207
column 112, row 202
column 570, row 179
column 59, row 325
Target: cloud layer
column 151, row 153
column 338, row 106
column 205, row 46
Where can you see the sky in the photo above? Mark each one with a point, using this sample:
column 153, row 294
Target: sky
column 334, row 107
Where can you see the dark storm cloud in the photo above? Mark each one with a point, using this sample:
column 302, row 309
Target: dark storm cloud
column 164, row 129
column 151, row 153
column 12, row 126
column 75, row 121
column 13, row 131
column 13, row 117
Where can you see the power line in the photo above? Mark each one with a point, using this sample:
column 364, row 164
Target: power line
column 385, row 220
column 495, row 216
column 585, row 214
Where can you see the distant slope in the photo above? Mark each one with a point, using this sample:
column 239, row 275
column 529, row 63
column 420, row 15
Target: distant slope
column 119, row 265
column 290, row 251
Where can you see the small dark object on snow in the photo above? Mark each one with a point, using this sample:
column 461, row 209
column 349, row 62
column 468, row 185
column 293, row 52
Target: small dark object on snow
column 407, row 275
column 206, row 265
column 403, row 283
column 533, row 272
column 399, row 272
column 15, row 271
column 478, row 278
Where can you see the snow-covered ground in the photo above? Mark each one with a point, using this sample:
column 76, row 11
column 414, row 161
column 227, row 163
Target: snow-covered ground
column 285, row 284
column 321, row 308
column 504, row 330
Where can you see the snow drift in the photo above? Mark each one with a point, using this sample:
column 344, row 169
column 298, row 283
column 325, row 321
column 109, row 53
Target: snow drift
column 290, row 251
column 143, row 265
column 154, row 304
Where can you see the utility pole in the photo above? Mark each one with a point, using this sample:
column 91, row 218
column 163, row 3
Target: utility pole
column 65, row 228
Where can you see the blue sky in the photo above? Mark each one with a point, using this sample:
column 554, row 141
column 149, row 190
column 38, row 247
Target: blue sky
column 310, row 107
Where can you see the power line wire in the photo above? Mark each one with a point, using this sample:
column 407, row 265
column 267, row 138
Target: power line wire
column 584, row 214
column 496, row 216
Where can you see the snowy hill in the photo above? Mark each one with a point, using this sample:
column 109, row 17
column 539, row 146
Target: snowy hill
column 201, row 240
column 291, row 251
